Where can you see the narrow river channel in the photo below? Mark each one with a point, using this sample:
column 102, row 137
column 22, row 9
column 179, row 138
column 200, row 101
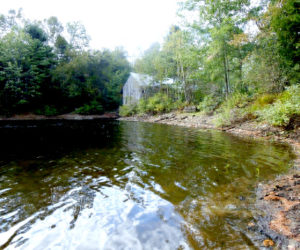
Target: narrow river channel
column 131, row 185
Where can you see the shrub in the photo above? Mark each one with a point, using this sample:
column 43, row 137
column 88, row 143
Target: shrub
column 159, row 103
column 209, row 104
column 224, row 118
column 179, row 105
column 266, row 99
column 47, row 110
column 22, row 102
column 231, row 109
column 127, row 110
column 236, row 100
column 50, row 110
column 142, row 107
column 280, row 112
column 88, row 109
column 261, row 102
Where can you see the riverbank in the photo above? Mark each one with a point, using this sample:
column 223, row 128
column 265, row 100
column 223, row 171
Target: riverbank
column 30, row 116
column 279, row 200
column 245, row 128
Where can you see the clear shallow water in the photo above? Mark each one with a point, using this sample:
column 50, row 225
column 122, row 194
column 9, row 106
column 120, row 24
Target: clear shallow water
column 132, row 186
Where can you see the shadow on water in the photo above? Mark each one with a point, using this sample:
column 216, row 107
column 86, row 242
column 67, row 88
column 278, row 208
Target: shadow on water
column 53, row 137
column 111, row 185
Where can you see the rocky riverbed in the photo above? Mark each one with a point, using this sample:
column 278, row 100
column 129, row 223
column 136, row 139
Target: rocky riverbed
column 279, row 201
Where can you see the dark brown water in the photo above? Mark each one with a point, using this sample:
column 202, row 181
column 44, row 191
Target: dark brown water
column 131, row 186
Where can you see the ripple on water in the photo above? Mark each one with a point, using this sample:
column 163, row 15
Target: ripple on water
column 150, row 187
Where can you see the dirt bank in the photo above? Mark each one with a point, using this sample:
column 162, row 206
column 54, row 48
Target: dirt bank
column 279, row 200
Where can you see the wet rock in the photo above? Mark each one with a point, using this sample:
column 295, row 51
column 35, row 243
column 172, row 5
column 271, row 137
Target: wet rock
column 190, row 109
column 242, row 198
column 297, row 183
column 281, row 187
column 230, row 207
column 268, row 243
column 251, row 226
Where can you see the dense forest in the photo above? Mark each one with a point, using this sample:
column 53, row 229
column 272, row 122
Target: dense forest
column 238, row 59
column 46, row 68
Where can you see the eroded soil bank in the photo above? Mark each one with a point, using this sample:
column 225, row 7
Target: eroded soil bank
column 279, row 200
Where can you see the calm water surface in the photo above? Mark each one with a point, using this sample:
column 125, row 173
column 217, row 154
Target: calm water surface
column 131, row 185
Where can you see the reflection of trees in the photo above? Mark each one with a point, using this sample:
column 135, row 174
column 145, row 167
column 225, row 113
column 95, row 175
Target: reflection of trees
column 208, row 176
column 71, row 177
column 202, row 173
column 198, row 160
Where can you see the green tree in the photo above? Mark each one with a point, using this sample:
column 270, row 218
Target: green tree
column 79, row 38
column 183, row 57
column 53, row 28
column 146, row 64
column 26, row 64
column 285, row 21
column 220, row 21
column 274, row 62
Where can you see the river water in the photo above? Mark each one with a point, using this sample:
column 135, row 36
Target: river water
column 130, row 185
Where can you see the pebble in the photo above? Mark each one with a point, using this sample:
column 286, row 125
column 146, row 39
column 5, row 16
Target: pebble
column 251, row 226
column 268, row 243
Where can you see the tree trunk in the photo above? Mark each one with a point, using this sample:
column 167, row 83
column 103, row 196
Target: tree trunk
column 184, row 84
column 228, row 78
column 226, row 75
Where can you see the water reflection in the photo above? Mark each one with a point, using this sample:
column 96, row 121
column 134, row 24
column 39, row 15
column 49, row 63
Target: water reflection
column 150, row 186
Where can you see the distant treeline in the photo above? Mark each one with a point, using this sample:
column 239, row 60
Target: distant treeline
column 47, row 68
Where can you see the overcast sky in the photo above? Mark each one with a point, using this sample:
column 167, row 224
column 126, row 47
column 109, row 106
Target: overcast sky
column 133, row 24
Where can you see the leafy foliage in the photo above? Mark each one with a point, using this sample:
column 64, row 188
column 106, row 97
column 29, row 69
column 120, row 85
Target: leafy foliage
column 47, row 110
column 214, row 61
column 285, row 107
column 41, row 71
column 231, row 110
column 90, row 109
column 208, row 105
column 276, row 110
column 261, row 101
column 26, row 64
column 156, row 104
column 224, row 68
column 159, row 103
column 127, row 110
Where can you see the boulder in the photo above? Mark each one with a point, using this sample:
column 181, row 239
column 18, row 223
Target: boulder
column 190, row 109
